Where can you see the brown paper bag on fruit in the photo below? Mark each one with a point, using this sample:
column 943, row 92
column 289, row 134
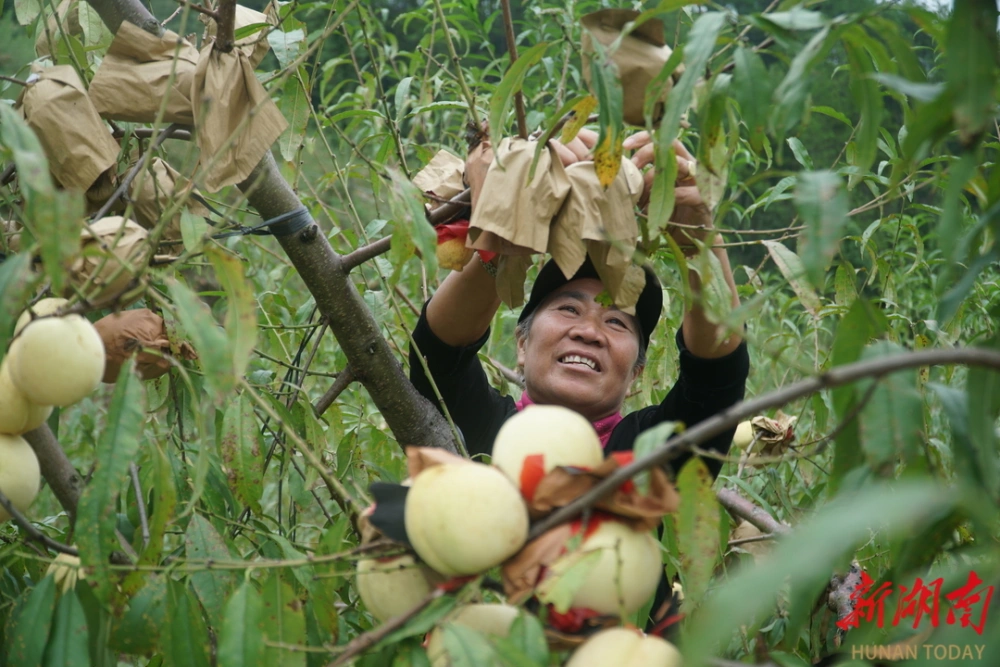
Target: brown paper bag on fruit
column 641, row 510
column 236, row 119
column 66, row 19
column 605, row 217
column 133, row 78
column 77, row 143
column 640, row 57
column 140, row 333
column 441, row 177
column 156, row 191
column 106, row 266
column 513, row 214
column 255, row 46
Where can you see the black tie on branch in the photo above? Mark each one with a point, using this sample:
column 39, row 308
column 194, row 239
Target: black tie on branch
column 285, row 224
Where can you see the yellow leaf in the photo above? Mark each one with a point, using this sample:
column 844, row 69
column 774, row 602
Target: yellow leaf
column 608, row 160
column 581, row 112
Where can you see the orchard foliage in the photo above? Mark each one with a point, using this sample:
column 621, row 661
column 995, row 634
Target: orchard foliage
column 851, row 148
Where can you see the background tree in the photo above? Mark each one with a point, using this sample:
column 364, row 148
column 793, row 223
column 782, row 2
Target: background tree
column 856, row 143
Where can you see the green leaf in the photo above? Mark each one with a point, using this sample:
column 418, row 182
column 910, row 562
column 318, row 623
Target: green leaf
column 862, row 323
column 241, row 637
column 186, row 642
column 844, row 287
column 98, row 622
column 411, row 229
column 527, row 635
column 892, row 420
column 823, row 205
column 752, row 89
column 116, row 448
column 139, row 629
column 32, row 168
column 797, row 19
column 466, row 647
column 697, row 529
column 56, row 221
column 972, row 48
column 920, row 91
column 295, row 106
column 799, row 151
column 648, row 441
column 869, row 99
column 697, row 51
column 284, row 623
column 983, row 388
column 790, row 95
column 28, row 629
column 792, row 269
column 289, row 43
column 503, row 96
column 241, row 314
column 949, row 227
column 569, row 573
column 806, row 557
column 242, row 451
column 16, row 281
column 208, row 338
column 402, row 96
column 203, row 543
column 27, row 11
column 67, row 645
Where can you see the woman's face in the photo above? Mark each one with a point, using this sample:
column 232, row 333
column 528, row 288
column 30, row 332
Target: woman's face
column 578, row 353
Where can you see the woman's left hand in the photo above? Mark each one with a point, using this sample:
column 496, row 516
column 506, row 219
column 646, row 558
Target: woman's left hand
column 690, row 209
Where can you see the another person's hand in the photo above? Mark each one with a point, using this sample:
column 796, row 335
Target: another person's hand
column 577, row 150
column 690, row 209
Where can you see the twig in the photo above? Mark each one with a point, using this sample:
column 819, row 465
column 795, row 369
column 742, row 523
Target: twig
column 509, row 375
column 365, row 641
column 7, row 175
column 225, row 17
column 200, row 9
column 133, row 172
column 344, row 378
column 508, row 24
column 457, row 63
column 699, row 433
column 140, row 503
column 445, row 212
column 33, row 532
column 755, row 538
column 148, row 132
column 744, row 509
column 4, row 77
column 364, row 253
column 305, row 368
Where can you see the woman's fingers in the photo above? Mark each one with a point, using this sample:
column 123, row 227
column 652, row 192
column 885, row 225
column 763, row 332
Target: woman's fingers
column 579, row 148
column 637, row 140
column 566, row 156
column 588, row 137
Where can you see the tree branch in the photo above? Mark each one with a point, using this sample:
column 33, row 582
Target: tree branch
column 226, row 19
column 746, row 510
column 699, row 433
column 66, row 483
column 32, row 532
column 345, row 378
column 364, row 253
column 508, row 24
column 365, row 641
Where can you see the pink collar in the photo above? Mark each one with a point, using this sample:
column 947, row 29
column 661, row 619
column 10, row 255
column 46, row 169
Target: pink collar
column 603, row 426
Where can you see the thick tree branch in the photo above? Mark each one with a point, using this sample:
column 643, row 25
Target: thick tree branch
column 66, row 483
column 226, row 18
column 364, row 253
column 746, row 510
column 699, row 433
column 114, row 12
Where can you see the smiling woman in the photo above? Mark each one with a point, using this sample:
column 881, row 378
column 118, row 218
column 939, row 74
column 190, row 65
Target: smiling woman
column 573, row 350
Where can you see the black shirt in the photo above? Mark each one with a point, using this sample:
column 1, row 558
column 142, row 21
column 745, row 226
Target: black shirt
column 703, row 388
